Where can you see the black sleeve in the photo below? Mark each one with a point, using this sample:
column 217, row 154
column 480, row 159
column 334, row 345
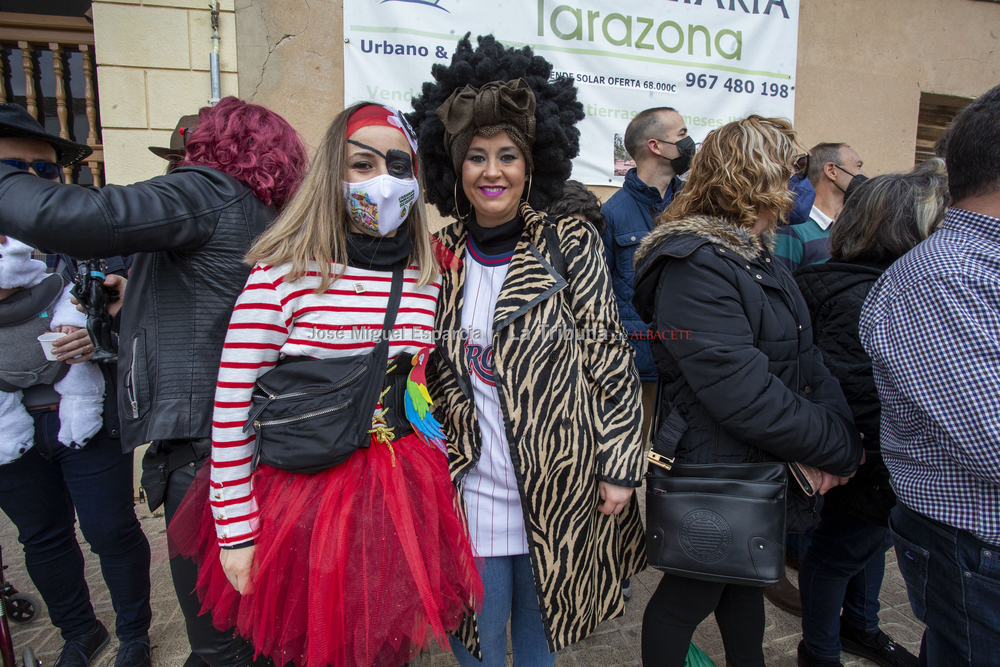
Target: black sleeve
column 836, row 332
column 170, row 212
column 730, row 376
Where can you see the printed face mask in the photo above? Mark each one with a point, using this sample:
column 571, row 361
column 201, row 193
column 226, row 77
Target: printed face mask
column 381, row 204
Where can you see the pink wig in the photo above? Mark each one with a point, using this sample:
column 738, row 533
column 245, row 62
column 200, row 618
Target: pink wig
column 252, row 144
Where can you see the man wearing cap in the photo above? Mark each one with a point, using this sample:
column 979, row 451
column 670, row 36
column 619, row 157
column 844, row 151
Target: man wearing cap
column 189, row 231
column 50, row 481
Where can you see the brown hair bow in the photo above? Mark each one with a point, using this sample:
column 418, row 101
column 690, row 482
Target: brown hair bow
column 496, row 106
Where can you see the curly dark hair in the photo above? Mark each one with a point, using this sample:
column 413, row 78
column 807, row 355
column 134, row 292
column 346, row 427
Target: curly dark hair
column 557, row 140
column 577, row 200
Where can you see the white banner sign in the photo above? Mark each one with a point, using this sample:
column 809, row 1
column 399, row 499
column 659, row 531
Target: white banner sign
column 712, row 60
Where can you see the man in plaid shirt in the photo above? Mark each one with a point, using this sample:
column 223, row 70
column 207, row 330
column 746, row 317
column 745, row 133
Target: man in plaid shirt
column 932, row 327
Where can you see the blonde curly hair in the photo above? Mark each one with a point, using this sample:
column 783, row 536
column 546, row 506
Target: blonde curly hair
column 741, row 169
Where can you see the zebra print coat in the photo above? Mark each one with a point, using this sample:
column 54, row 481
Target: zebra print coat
column 572, row 412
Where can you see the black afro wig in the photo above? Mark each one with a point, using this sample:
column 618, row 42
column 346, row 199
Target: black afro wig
column 557, row 141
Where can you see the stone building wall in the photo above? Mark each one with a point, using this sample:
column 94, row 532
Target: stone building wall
column 862, row 67
column 153, row 68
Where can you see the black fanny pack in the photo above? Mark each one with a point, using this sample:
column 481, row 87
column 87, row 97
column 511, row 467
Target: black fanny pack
column 312, row 414
column 718, row 522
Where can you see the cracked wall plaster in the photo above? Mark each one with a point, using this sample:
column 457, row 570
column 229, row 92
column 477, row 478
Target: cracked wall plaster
column 292, row 60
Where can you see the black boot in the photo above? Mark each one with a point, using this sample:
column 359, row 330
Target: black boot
column 807, row 659
column 134, row 653
column 80, row 651
column 877, row 646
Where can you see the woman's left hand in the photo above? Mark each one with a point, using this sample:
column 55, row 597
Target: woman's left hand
column 613, row 498
column 75, row 347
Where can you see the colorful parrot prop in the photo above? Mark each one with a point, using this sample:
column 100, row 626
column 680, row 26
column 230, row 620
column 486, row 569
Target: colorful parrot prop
column 418, row 403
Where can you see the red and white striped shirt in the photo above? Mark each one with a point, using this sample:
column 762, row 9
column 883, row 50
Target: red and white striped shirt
column 273, row 318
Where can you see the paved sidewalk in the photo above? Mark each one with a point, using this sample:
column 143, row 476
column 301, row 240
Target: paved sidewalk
column 615, row 643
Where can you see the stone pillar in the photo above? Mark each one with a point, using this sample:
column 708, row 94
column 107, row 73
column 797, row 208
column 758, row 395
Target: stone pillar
column 291, row 55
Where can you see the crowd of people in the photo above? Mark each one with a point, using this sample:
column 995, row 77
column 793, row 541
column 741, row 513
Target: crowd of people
column 343, row 485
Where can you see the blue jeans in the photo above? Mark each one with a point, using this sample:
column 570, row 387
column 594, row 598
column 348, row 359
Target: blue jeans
column 40, row 493
column 843, row 567
column 953, row 582
column 509, row 594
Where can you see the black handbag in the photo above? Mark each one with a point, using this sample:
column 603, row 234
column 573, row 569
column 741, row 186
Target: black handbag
column 312, row 414
column 717, row 522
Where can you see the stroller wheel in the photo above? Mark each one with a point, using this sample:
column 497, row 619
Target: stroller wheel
column 28, row 658
column 22, row 608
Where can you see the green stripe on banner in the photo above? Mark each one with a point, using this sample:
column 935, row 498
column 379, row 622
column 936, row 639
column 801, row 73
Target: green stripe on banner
column 583, row 52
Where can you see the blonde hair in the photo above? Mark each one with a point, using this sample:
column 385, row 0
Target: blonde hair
column 741, row 169
column 314, row 224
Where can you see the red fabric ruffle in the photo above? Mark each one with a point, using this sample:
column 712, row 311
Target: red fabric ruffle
column 359, row 565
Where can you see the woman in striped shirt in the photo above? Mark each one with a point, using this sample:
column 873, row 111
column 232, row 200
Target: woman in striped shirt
column 362, row 563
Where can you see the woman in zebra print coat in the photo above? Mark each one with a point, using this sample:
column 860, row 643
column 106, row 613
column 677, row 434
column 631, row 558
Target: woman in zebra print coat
column 533, row 377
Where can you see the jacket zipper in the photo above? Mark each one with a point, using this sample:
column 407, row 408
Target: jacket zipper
column 278, row 397
column 130, row 384
column 309, row 415
column 343, row 383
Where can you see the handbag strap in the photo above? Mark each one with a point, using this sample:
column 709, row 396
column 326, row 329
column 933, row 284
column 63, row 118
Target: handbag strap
column 667, row 430
column 381, row 351
column 551, row 234
column 395, row 296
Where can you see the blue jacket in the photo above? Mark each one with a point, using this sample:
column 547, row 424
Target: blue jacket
column 630, row 213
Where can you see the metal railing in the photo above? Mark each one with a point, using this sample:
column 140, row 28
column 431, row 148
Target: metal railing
column 47, row 89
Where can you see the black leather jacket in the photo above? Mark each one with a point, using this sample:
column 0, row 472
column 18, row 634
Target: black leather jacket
column 189, row 231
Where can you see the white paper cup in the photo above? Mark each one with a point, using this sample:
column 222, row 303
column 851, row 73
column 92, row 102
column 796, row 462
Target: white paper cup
column 47, row 339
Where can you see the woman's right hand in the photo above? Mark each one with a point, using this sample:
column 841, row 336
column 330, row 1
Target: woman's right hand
column 237, row 563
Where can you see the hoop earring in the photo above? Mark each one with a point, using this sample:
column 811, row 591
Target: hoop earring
column 457, row 214
column 528, row 194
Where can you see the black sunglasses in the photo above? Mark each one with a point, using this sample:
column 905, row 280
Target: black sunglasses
column 47, row 170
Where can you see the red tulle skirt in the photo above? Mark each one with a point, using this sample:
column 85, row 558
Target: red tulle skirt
column 359, row 565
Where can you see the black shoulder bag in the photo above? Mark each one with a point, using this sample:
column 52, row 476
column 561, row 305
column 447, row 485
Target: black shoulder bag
column 717, row 522
column 312, row 414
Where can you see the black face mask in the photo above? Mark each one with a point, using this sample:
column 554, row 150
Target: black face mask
column 687, row 149
column 856, row 181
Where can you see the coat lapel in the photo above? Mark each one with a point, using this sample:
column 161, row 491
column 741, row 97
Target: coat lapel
column 450, row 312
column 530, row 278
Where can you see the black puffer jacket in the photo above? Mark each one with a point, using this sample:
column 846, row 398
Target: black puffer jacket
column 741, row 368
column 835, row 292
column 189, row 231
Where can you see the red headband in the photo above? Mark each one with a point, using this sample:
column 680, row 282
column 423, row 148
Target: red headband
column 369, row 115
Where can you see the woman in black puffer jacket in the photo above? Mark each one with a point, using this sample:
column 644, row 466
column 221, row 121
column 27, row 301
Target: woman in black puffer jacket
column 735, row 357
column 845, row 562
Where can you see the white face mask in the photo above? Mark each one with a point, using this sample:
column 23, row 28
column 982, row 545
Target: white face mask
column 381, row 204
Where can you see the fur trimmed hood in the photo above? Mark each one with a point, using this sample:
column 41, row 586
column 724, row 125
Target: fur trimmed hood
column 680, row 238
column 711, row 230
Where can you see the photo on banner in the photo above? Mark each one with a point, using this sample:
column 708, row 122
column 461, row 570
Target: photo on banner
column 712, row 60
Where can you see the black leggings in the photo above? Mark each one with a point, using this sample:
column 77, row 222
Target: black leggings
column 680, row 604
column 209, row 647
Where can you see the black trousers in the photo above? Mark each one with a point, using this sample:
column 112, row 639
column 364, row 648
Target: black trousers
column 680, row 604
column 169, row 468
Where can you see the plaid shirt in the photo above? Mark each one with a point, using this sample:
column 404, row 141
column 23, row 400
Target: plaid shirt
column 932, row 327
